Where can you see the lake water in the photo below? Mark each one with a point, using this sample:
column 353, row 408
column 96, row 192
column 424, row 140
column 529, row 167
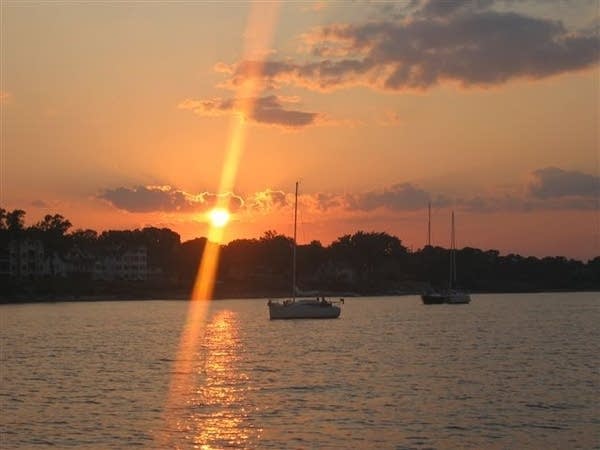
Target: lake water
column 506, row 371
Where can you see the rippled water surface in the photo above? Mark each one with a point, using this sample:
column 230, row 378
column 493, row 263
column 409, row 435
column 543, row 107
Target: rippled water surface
column 506, row 371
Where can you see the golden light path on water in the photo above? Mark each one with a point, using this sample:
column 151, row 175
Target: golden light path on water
column 222, row 392
column 185, row 376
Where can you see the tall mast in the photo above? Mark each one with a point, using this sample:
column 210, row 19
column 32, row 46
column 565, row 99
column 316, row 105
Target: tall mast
column 294, row 248
column 453, row 254
column 429, row 226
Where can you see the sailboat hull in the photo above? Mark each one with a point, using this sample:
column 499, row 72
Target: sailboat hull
column 458, row 298
column 303, row 310
column 450, row 298
column 433, row 299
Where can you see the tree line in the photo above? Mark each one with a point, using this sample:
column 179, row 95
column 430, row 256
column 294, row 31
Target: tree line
column 363, row 263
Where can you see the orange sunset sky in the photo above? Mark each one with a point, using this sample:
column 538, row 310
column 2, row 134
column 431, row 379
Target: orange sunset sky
column 120, row 115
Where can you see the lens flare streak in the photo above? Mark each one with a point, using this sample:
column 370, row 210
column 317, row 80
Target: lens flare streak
column 258, row 35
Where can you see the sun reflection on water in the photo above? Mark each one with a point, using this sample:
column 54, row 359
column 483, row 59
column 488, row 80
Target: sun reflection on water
column 222, row 393
column 215, row 412
column 216, row 406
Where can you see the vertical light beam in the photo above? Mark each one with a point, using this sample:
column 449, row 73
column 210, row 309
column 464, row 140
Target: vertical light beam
column 257, row 39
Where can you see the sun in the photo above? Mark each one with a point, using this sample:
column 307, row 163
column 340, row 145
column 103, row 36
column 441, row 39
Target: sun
column 219, row 217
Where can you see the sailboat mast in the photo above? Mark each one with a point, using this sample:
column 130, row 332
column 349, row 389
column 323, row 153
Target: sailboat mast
column 429, row 226
column 453, row 252
column 294, row 249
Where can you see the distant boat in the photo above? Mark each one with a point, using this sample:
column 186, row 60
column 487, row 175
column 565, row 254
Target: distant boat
column 452, row 295
column 448, row 296
column 313, row 308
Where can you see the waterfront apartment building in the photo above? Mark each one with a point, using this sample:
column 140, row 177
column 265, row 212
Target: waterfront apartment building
column 28, row 258
column 122, row 264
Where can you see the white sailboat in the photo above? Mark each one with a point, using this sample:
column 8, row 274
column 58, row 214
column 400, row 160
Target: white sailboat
column 452, row 295
column 293, row 308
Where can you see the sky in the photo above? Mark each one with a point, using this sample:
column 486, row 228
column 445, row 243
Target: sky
column 120, row 115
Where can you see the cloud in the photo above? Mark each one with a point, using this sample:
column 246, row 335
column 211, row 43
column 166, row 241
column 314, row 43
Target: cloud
column 494, row 202
column 440, row 9
column 209, row 200
column 267, row 110
column 325, row 201
column 164, row 199
column 266, row 201
column 466, row 42
column 398, row 197
column 549, row 188
column 546, row 189
column 552, row 182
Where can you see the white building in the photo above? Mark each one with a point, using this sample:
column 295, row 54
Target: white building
column 131, row 264
column 27, row 258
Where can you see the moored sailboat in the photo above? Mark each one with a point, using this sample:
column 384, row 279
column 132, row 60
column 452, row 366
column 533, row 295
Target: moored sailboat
column 317, row 308
column 452, row 295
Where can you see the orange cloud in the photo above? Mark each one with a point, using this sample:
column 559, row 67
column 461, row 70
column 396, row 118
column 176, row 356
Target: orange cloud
column 268, row 200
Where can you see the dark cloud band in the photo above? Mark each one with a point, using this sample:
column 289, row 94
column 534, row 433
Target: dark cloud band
column 461, row 41
column 549, row 188
column 142, row 199
column 268, row 110
column 552, row 182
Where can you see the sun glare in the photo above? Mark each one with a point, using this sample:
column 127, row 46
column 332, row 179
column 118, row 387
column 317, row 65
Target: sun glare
column 259, row 31
column 219, row 217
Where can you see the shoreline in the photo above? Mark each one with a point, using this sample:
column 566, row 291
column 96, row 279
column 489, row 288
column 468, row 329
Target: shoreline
column 183, row 297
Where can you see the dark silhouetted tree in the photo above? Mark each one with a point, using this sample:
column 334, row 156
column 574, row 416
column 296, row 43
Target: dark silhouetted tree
column 51, row 230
